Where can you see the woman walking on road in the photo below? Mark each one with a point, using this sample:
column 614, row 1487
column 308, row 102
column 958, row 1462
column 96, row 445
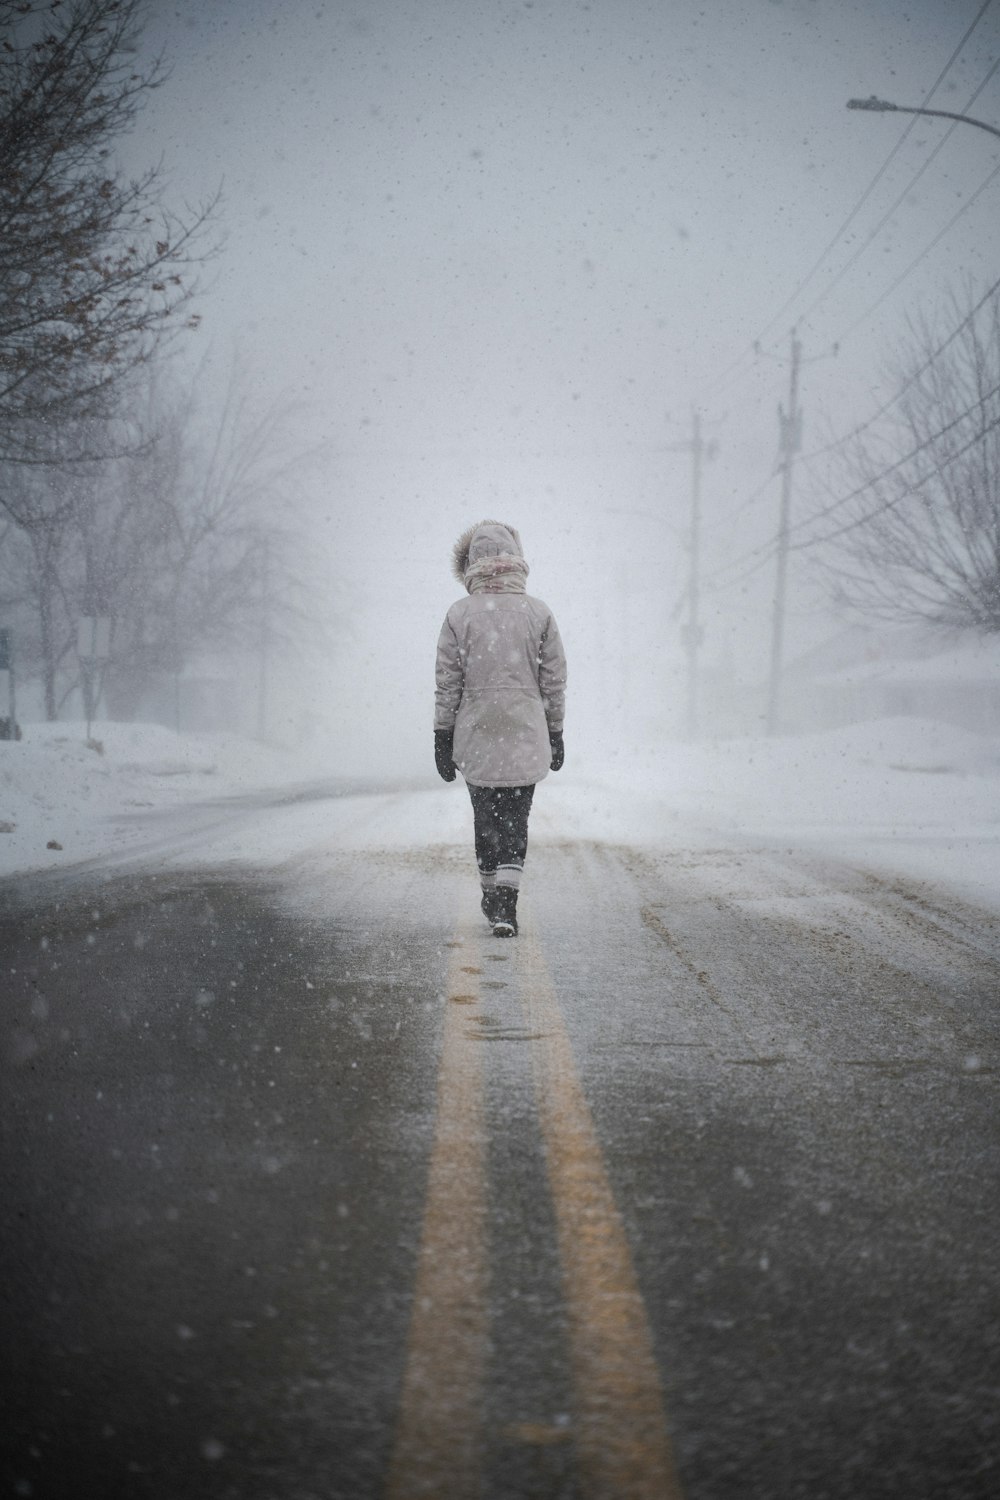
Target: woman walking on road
column 501, row 689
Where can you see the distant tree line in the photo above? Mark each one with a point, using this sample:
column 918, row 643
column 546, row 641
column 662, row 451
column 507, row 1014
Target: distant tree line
column 117, row 497
column 183, row 534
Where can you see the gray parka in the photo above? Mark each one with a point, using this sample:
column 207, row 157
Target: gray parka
column 501, row 671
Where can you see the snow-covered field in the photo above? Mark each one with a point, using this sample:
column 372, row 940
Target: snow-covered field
column 904, row 795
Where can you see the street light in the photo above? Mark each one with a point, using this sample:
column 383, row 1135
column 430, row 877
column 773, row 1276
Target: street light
column 881, row 106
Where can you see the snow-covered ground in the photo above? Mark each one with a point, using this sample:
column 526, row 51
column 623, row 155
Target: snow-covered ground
column 904, row 795
column 909, row 796
column 57, row 788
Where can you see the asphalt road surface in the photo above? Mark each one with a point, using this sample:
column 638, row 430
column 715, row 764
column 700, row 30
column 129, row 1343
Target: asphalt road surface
column 313, row 1189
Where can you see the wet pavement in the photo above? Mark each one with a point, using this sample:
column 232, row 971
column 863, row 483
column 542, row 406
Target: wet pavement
column 310, row 1187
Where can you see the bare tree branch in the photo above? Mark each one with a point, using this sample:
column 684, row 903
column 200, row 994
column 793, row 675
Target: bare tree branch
column 916, row 537
column 96, row 275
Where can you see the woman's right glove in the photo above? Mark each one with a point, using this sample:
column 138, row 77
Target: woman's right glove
column 558, row 749
column 444, row 740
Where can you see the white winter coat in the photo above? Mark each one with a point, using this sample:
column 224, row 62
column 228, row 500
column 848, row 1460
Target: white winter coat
column 501, row 670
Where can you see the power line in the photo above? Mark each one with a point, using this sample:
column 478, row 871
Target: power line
column 758, row 557
column 894, row 286
column 862, row 200
column 891, row 468
column 891, row 504
column 879, row 174
column 893, row 400
column 898, row 202
column 926, row 251
column 912, row 379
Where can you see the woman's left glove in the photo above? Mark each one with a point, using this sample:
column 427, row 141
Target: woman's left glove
column 444, row 740
column 558, row 749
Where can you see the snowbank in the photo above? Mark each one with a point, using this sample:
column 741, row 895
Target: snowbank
column 971, row 658
column 55, row 788
column 909, row 795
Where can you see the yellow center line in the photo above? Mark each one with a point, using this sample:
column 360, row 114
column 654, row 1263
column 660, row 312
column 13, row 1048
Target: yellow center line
column 437, row 1441
column 621, row 1436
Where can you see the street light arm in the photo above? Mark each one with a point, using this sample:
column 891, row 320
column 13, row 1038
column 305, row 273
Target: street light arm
column 872, row 102
column 881, row 106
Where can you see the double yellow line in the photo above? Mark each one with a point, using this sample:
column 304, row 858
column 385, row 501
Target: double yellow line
column 619, row 1424
column 437, row 1443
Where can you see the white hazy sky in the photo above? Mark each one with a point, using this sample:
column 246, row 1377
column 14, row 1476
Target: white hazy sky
column 501, row 247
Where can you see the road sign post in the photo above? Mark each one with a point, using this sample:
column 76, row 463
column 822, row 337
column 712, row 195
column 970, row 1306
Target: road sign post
column 8, row 724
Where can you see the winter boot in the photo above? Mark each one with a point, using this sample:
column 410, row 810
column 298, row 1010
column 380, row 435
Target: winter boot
column 505, row 918
column 489, row 905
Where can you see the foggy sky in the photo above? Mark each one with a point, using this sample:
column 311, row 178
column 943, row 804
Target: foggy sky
column 500, row 249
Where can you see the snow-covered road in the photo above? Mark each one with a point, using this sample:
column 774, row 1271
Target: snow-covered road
column 314, row 1187
column 914, row 797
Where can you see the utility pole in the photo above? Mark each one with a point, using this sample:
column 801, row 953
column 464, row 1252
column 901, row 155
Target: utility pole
column 694, row 632
column 790, row 432
column 265, row 639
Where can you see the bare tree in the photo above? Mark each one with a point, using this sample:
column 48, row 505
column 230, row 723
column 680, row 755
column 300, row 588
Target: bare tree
column 37, row 583
column 229, row 475
column 913, row 530
column 95, row 272
column 190, row 539
column 249, row 579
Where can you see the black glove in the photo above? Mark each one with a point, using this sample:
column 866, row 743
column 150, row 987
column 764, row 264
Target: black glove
column 558, row 749
column 444, row 739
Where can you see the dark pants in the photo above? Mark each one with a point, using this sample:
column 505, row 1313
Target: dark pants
column 500, row 814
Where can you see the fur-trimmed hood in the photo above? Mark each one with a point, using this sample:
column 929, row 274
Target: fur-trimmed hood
column 485, row 539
